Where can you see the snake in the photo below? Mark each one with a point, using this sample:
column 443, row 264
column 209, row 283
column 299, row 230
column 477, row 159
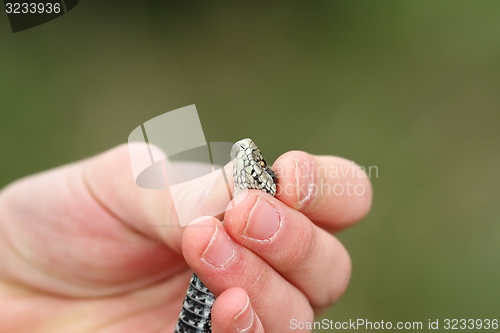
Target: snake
column 250, row 171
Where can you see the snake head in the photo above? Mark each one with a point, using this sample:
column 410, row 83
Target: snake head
column 250, row 170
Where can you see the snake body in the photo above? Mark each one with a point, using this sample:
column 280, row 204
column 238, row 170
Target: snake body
column 250, row 171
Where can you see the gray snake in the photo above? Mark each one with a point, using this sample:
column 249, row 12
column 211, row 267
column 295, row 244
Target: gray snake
column 250, row 171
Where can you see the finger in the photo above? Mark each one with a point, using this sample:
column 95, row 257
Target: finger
column 307, row 256
column 233, row 313
column 221, row 263
column 332, row 191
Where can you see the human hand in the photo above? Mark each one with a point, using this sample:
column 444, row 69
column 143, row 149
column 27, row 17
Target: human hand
column 83, row 249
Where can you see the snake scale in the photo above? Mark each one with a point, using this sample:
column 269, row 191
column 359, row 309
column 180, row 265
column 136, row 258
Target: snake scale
column 250, row 171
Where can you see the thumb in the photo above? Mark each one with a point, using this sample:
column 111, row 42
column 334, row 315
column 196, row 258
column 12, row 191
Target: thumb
column 158, row 213
column 87, row 229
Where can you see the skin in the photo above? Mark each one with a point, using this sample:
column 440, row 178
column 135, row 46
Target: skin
column 83, row 249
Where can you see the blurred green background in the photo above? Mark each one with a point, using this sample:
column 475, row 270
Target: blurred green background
column 411, row 87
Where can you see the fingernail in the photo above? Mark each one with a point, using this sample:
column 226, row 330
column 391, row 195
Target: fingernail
column 220, row 250
column 240, row 197
column 244, row 320
column 263, row 221
column 237, row 200
column 304, row 182
column 201, row 219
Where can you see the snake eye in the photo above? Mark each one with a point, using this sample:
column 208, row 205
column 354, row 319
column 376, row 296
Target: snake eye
column 262, row 163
